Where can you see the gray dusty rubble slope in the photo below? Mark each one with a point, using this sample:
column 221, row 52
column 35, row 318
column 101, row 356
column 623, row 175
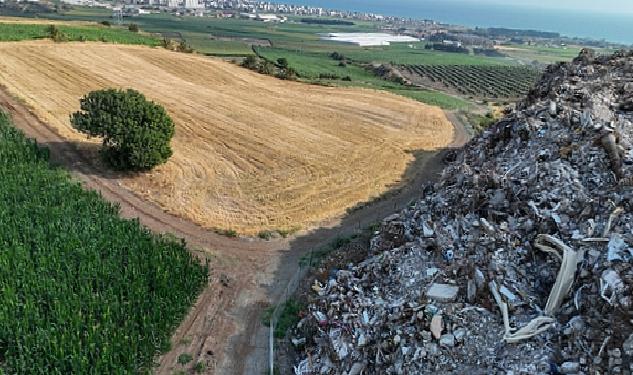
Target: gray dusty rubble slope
column 532, row 221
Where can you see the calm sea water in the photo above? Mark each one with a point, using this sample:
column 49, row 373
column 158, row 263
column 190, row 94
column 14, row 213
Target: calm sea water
column 612, row 27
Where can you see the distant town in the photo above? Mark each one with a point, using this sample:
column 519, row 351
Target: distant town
column 259, row 10
column 448, row 37
column 444, row 37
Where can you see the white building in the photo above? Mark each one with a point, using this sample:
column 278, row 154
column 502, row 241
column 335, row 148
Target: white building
column 267, row 18
column 263, row 17
column 368, row 39
column 193, row 4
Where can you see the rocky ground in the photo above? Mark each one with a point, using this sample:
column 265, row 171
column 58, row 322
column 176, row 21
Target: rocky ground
column 519, row 261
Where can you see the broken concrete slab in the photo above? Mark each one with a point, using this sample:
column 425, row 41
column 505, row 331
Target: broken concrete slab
column 442, row 292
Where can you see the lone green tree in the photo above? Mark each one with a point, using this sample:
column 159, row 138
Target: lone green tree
column 136, row 132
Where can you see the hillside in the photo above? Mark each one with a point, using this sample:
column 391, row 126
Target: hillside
column 251, row 152
column 518, row 261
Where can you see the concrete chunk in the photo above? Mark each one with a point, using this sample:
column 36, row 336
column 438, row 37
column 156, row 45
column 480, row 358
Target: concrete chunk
column 442, row 292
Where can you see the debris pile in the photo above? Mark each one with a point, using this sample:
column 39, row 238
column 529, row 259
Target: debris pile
column 519, row 261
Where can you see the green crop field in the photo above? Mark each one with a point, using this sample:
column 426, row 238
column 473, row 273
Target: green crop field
column 431, row 97
column 546, row 55
column 310, row 66
column 493, row 82
column 83, row 291
column 415, row 54
column 17, row 32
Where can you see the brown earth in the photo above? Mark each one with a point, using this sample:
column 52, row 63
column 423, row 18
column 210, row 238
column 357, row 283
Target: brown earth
column 251, row 152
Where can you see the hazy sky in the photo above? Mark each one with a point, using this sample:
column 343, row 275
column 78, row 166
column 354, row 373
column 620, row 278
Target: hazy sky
column 608, row 6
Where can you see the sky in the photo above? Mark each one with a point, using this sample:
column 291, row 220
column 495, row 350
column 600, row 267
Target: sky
column 604, row 6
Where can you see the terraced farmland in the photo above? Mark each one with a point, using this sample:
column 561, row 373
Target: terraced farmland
column 492, row 82
column 82, row 291
column 251, row 152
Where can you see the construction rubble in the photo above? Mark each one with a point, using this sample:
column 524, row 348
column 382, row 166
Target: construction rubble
column 518, row 261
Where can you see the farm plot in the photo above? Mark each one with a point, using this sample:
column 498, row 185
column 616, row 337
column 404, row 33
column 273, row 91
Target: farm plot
column 493, row 82
column 83, row 291
column 17, row 30
column 251, row 152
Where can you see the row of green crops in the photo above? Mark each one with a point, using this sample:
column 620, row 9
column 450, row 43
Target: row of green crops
column 17, row 32
column 82, row 291
column 480, row 81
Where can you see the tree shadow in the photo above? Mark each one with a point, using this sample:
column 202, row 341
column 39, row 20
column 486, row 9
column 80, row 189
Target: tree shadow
column 82, row 157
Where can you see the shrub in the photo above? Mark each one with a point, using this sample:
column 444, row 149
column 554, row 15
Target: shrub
column 337, row 56
column 184, row 358
column 184, row 47
column 136, row 132
column 199, row 368
column 56, row 34
column 267, row 67
column 251, row 62
column 288, row 74
column 133, row 28
column 266, row 234
column 328, row 76
column 106, row 23
column 347, row 79
column 226, row 232
column 282, row 63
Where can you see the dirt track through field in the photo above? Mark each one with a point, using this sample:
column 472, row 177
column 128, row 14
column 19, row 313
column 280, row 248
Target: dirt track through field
column 251, row 152
column 222, row 328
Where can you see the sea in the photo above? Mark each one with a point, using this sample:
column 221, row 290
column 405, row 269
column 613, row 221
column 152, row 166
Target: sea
column 611, row 26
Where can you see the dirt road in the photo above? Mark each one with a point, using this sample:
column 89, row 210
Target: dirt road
column 223, row 329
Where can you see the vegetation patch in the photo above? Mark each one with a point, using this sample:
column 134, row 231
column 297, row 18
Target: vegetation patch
column 289, row 316
column 283, row 233
column 83, row 291
column 184, row 358
column 477, row 81
column 227, row 232
column 13, row 32
column 433, row 97
column 482, row 122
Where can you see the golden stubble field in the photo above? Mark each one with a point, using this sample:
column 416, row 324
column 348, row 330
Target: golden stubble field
column 34, row 21
column 251, row 152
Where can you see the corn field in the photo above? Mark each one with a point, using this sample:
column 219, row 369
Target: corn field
column 81, row 290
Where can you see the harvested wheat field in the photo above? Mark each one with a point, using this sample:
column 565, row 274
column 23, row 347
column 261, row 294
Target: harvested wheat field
column 36, row 21
column 251, row 152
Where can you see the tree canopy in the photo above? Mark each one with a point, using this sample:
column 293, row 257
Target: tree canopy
column 136, row 132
